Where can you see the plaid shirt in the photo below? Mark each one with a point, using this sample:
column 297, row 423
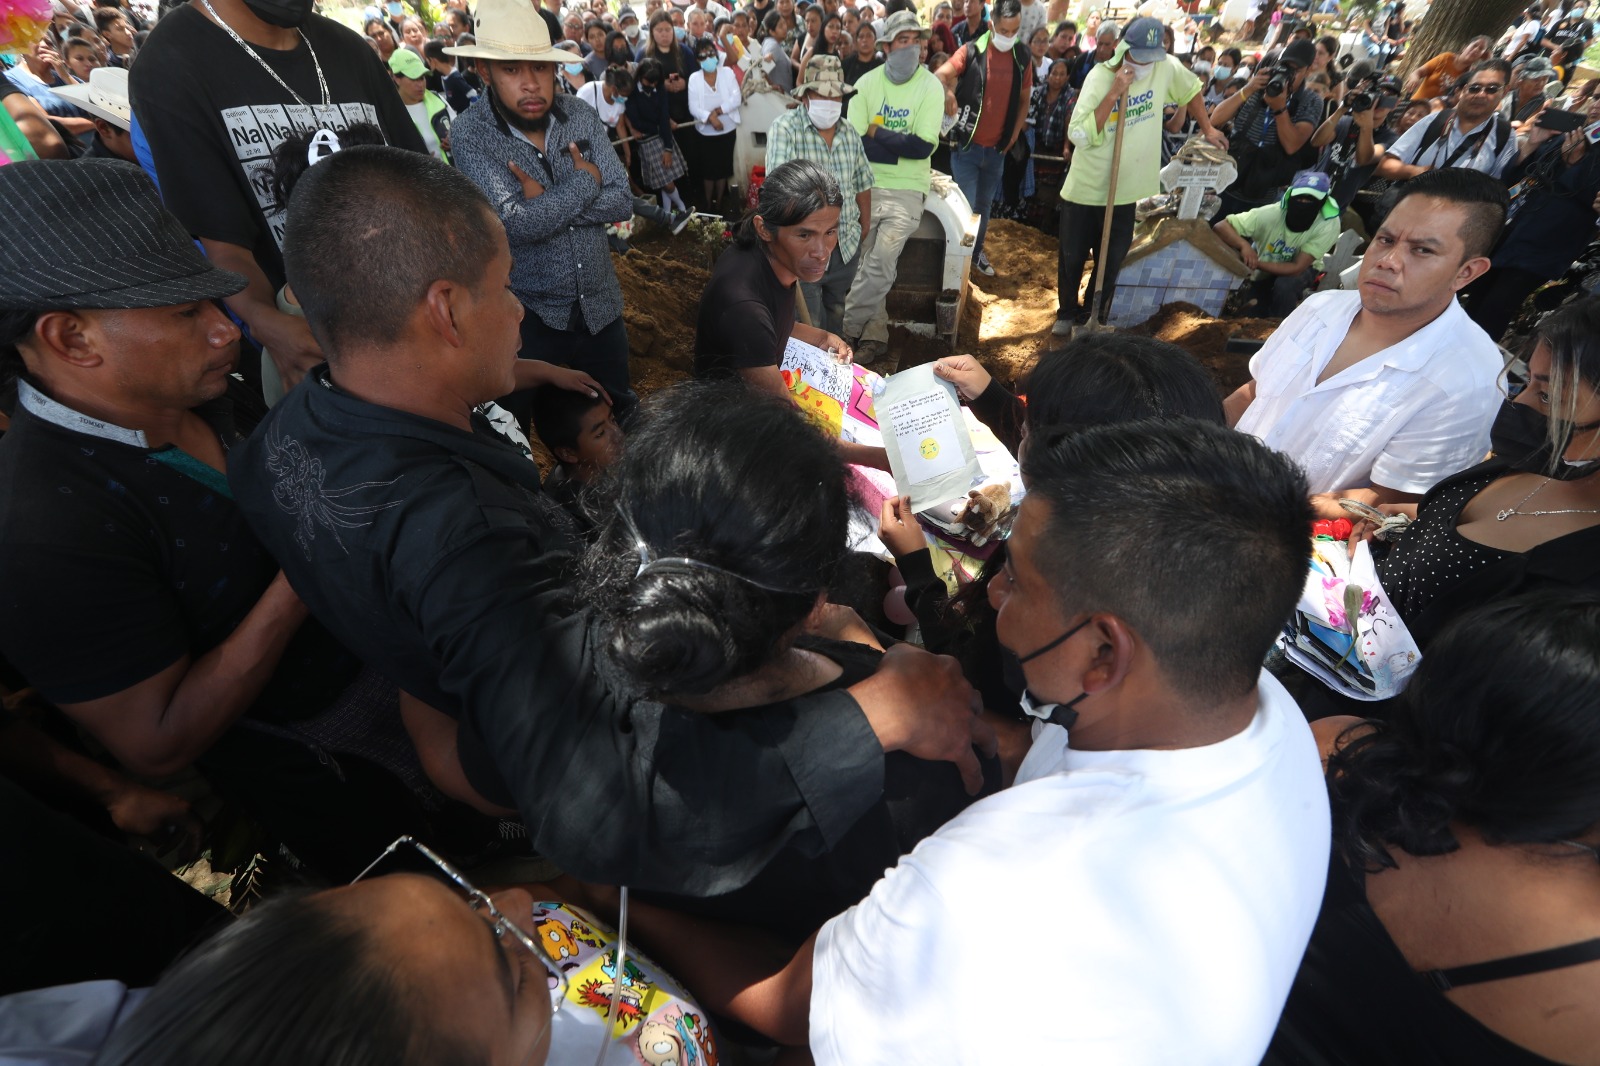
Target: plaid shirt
column 560, row 256
column 793, row 136
column 1050, row 123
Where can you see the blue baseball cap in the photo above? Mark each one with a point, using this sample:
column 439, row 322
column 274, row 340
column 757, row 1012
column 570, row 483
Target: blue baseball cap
column 1144, row 38
column 1311, row 183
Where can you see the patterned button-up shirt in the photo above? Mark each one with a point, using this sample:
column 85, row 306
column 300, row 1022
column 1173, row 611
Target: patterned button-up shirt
column 793, row 136
column 560, row 257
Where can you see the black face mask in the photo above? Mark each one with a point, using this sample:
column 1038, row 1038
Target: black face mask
column 1519, row 432
column 1301, row 213
column 1521, row 435
column 289, row 14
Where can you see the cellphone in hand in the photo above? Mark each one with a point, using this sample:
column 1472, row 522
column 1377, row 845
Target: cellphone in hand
column 1554, row 118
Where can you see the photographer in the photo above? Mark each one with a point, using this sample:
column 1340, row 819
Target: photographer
column 1555, row 196
column 1354, row 136
column 1470, row 135
column 1274, row 116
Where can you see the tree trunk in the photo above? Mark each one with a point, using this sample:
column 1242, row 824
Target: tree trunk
column 1450, row 24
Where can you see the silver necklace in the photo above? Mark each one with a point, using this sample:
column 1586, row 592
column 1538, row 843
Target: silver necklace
column 322, row 82
column 1507, row 512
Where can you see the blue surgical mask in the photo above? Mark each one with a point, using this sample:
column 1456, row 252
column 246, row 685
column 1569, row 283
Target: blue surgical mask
column 573, row 68
column 709, row 64
column 680, row 33
column 1222, row 73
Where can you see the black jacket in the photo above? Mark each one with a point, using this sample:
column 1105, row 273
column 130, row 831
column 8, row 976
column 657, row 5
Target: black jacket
column 434, row 554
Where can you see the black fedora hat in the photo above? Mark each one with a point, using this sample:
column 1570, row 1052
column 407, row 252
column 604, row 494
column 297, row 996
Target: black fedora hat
column 93, row 233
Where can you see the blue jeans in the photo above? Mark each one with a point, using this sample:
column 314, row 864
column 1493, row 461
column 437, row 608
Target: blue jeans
column 977, row 171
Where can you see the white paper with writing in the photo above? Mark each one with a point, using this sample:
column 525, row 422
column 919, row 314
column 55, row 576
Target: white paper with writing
column 930, row 449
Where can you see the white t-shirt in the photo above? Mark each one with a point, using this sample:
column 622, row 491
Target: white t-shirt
column 1116, row 907
column 1406, row 417
column 593, row 94
column 1521, row 36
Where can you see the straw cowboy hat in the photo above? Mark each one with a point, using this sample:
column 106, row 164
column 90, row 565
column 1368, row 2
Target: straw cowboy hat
column 824, row 76
column 105, row 96
column 512, row 31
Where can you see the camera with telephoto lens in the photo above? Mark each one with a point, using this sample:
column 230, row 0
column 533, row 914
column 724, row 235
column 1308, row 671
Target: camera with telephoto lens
column 1365, row 94
column 1278, row 83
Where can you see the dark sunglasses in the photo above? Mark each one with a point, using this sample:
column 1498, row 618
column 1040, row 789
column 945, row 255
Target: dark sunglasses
column 1478, row 88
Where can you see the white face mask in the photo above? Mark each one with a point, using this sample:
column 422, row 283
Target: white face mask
column 631, row 32
column 1001, row 42
column 825, row 113
column 1201, row 68
column 1140, row 70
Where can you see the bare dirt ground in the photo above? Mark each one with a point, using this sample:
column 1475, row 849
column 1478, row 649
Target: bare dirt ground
column 1005, row 325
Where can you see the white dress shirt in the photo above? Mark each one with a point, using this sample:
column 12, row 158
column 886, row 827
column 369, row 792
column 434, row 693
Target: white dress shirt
column 1406, row 417
column 1135, row 908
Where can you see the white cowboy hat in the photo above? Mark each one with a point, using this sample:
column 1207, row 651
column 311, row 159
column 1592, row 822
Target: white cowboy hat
column 104, row 96
column 513, row 31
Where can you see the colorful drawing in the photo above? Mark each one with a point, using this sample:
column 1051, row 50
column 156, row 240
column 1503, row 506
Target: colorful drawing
column 676, row 1038
column 584, row 935
column 841, row 392
column 597, row 991
column 822, row 409
column 553, row 934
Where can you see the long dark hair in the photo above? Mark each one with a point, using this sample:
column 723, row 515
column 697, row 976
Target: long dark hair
column 790, row 194
column 670, row 58
column 1572, row 334
column 1497, row 730
column 698, row 481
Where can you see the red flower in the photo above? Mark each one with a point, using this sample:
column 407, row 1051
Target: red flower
column 1341, row 529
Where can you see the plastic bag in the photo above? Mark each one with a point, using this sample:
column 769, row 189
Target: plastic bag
column 1344, row 631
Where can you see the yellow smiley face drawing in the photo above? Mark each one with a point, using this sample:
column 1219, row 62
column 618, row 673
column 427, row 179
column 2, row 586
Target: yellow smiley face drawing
column 929, row 448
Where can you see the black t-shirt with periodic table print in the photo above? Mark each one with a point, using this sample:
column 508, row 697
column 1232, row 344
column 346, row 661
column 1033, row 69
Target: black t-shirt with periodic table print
column 213, row 116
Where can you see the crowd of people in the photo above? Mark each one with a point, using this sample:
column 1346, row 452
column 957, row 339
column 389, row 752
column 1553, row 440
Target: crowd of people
column 290, row 318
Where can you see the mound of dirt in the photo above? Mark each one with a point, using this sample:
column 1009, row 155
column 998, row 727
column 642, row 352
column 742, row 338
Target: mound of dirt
column 1206, row 339
column 660, row 299
column 1005, row 325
